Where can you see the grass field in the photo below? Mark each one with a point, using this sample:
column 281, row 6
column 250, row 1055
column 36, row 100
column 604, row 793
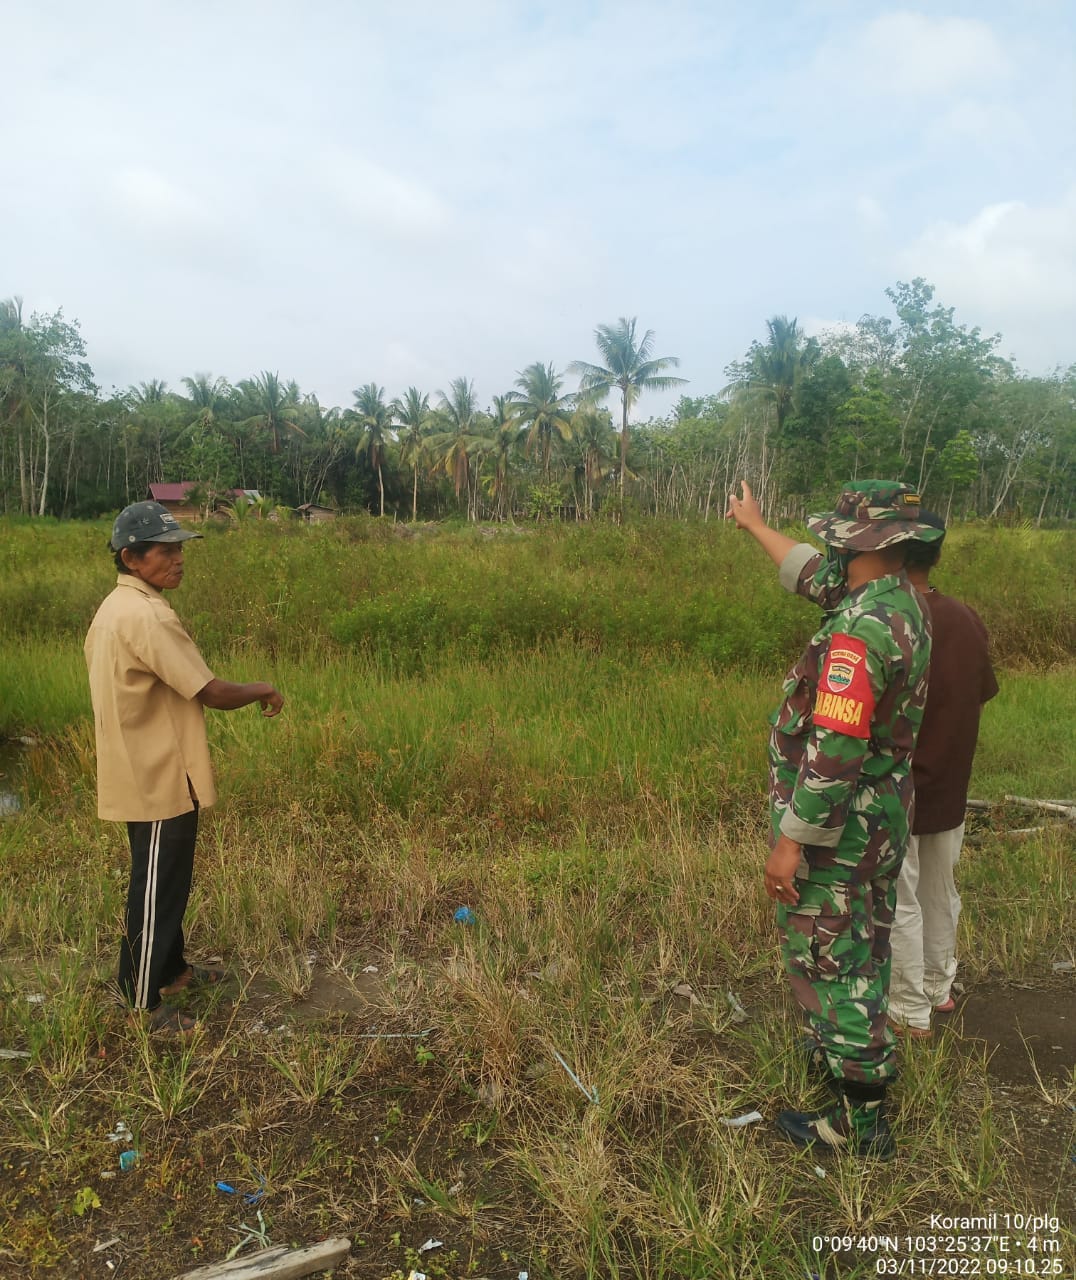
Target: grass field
column 564, row 731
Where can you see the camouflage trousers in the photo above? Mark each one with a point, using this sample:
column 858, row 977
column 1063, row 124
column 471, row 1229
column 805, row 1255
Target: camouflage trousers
column 835, row 948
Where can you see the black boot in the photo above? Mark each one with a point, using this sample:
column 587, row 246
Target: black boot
column 855, row 1122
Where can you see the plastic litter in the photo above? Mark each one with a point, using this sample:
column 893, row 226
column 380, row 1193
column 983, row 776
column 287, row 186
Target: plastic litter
column 416, row 1275
column 1063, row 966
column 35, row 997
column 430, row 1245
column 249, row 1197
column 684, row 989
column 393, row 1035
column 121, row 1133
column 128, row 1160
column 252, row 1197
column 741, row 1122
column 739, row 1013
column 371, row 968
column 463, row 915
column 591, row 1095
column 819, row 1172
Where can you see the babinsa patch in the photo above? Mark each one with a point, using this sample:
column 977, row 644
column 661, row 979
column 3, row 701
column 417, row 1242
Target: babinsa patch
column 844, row 700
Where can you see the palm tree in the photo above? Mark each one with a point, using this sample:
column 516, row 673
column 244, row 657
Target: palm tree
column 595, row 442
column 629, row 367
column 275, row 407
column 413, row 414
column 375, row 418
column 461, row 438
column 506, row 431
column 208, row 397
column 207, row 394
column 775, row 370
column 152, row 392
column 544, row 409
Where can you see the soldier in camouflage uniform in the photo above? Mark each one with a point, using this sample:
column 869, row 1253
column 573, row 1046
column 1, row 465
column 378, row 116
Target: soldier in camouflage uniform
column 841, row 791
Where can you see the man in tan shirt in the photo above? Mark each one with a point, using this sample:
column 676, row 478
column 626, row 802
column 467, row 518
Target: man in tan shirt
column 149, row 685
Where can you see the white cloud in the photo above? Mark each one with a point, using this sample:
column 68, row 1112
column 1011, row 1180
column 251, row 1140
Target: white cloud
column 988, row 125
column 151, row 201
column 870, row 212
column 390, row 203
column 908, row 54
column 1011, row 266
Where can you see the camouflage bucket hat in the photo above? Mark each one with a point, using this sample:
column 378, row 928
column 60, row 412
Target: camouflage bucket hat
column 872, row 514
column 147, row 522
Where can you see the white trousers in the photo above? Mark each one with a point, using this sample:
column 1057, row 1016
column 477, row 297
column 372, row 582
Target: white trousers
column 924, row 928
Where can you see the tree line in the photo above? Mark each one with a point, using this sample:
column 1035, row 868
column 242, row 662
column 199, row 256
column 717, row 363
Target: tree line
column 919, row 397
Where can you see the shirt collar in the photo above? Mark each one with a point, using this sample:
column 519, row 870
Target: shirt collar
column 129, row 580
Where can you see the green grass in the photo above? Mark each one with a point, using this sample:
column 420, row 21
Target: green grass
column 543, row 726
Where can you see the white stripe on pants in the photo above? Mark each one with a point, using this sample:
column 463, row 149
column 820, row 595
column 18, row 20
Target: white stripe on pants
column 924, row 930
column 149, row 921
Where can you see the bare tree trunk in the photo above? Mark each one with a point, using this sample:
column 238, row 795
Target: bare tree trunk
column 45, row 431
column 710, row 493
column 25, row 501
column 67, row 477
column 908, row 417
column 623, row 446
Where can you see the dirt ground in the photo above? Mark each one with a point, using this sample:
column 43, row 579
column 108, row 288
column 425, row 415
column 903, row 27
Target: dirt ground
column 408, row 1153
column 1029, row 1032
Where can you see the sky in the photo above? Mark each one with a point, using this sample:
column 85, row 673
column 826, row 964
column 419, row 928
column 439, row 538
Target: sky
column 406, row 192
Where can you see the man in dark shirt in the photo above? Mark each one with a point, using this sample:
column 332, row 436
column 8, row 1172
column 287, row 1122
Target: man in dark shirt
column 928, row 905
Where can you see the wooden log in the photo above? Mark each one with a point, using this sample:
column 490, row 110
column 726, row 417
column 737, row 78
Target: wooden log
column 279, row 1263
column 1047, row 806
column 980, row 805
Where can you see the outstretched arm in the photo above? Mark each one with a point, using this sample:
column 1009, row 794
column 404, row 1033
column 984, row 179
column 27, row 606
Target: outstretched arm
column 225, row 695
column 747, row 514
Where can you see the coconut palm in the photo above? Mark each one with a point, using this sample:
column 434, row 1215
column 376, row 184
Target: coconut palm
column 505, row 432
column 543, row 409
column 207, row 394
column 153, row 392
column 630, row 368
column 374, row 417
column 594, row 444
column 460, row 440
column 775, row 369
column 275, row 406
column 413, row 414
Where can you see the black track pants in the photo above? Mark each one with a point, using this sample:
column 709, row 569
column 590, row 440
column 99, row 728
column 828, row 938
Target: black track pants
column 151, row 950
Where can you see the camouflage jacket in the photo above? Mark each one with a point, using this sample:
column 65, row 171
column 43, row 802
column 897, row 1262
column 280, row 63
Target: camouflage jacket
column 841, row 740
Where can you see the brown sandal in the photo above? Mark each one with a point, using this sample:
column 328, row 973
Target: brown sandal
column 166, row 1020
column 193, row 978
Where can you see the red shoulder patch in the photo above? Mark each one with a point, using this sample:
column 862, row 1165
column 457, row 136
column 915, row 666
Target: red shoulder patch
column 844, row 699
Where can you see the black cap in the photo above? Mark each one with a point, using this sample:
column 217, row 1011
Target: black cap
column 147, row 522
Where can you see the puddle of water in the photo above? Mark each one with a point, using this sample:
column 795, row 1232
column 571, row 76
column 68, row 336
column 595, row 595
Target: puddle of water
column 10, row 763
